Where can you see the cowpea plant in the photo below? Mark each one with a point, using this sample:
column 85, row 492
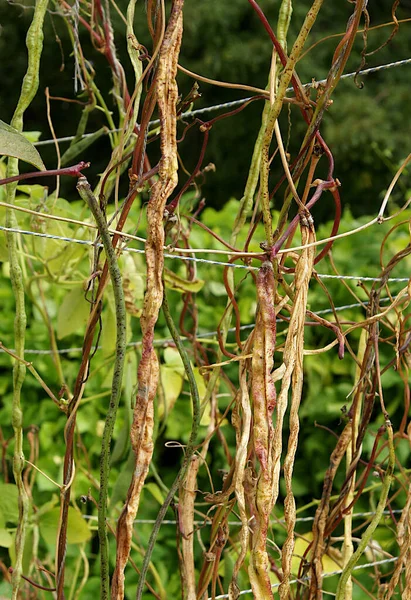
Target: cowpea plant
column 247, row 388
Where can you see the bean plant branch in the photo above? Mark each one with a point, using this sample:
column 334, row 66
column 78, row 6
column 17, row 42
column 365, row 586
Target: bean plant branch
column 74, row 171
column 87, row 195
column 34, row 43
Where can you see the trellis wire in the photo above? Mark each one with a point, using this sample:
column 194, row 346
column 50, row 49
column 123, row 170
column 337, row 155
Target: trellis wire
column 50, row 236
column 207, row 334
column 234, row 103
column 331, row 574
column 238, row 523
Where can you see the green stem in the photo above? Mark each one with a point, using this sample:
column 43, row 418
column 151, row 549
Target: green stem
column 34, row 43
column 275, row 110
column 85, row 192
column 346, row 574
column 189, row 450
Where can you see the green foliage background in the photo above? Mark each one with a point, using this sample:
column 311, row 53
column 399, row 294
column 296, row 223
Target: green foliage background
column 62, row 270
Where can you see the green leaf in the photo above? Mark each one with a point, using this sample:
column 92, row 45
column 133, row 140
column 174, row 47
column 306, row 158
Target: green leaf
column 28, row 551
column 202, row 389
column 5, row 590
column 77, row 528
column 13, row 143
column 133, row 284
column 179, row 284
column 73, row 313
column 154, row 491
column 73, row 151
column 32, row 136
column 9, row 502
column 172, row 383
column 109, row 325
column 123, row 436
column 6, row 539
column 172, row 359
column 123, row 481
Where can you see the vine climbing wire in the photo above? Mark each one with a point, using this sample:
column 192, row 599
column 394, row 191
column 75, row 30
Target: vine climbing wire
column 207, row 338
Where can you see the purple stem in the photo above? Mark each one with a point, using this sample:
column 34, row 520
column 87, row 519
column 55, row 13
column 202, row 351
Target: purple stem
column 324, row 185
column 74, row 171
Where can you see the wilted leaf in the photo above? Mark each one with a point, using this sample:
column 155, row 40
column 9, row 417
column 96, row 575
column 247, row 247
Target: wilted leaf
column 13, row 143
column 73, row 313
column 179, row 284
column 133, row 285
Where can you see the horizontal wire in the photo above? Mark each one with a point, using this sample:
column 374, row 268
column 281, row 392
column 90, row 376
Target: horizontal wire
column 199, row 336
column 50, row 236
column 238, row 523
column 358, row 277
column 234, row 103
column 324, row 575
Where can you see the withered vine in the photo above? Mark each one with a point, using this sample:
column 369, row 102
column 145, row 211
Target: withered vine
column 262, row 369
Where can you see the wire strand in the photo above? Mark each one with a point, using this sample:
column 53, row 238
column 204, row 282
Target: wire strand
column 238, row 523
column 207, row 334
column 234, row 103
column 173, row 255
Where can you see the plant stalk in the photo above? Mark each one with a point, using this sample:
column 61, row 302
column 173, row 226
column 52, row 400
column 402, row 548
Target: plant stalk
column 34, row 43
column 85, row 192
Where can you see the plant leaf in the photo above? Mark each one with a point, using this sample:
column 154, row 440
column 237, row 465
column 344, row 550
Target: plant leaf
column 172, row 359
column 73, row 313
column 28, row 551
column 179, row 284
column 202, row 389
column 13, row 143
column 6, row 539
column 172, row 382
column 154, row 491
column 9, row 502
column 77, row 529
